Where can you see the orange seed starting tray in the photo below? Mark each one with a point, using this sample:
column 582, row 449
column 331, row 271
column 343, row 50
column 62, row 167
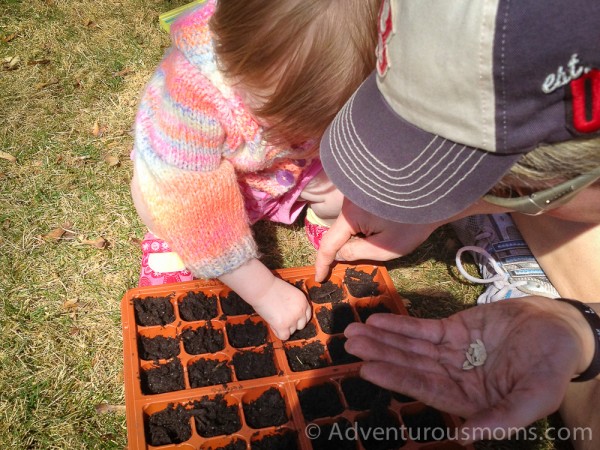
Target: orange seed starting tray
column 203, row 371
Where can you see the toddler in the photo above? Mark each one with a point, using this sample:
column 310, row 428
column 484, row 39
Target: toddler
column 227, row 134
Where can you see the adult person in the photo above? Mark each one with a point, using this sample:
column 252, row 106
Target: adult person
column 479, row 107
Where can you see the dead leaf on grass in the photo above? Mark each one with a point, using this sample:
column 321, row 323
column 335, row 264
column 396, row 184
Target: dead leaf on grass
column 35, row 62
column 122, row 73
column 70, row 304
column 11, row 63
column 112, row 160
column 61, row 233
column 99, row 130
column 9, row 38
column 105, row 408
column 100, row 243
column 7, row 156
column 40, row 86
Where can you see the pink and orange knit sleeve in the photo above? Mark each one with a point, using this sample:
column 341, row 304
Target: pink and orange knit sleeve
column 183, row 129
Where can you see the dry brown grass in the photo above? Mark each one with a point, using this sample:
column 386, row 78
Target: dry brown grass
column 66, row 109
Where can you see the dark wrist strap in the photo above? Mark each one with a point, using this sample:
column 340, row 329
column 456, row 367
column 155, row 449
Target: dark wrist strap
column 594, row 321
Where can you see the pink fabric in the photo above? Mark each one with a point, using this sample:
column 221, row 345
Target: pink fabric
column 148, row 277
column 314, row 233
column 284, row 209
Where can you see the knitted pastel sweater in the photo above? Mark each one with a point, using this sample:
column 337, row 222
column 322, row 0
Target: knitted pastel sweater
column 195, row 146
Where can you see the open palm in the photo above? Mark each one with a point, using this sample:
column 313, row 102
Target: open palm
column 532, row 354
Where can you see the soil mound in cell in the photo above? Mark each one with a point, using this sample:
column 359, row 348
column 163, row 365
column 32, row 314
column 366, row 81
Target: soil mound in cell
column 203, row 340
column 158, row 347
column 214, row 417
column 328, row 292
column 208, row 372
column 310, row 356
column 151, row 311
column 169, row 426
column 163, row 378
column 198, row 306
column 234, row 305
column 250, row 364
column 361, row 284
column 334, row 320
column 247, row 334
column 319, row 401
column 268, row 410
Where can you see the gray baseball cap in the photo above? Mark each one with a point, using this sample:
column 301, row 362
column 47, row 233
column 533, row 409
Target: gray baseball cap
column 462, row 90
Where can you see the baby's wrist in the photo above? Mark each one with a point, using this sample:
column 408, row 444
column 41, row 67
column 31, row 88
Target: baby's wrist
column 251, row 281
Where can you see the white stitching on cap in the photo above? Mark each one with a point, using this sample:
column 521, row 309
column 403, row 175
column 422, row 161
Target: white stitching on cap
column 355, row 152
column 502, row 74
column 484, row 124
column 374, row 160
column 339, row 152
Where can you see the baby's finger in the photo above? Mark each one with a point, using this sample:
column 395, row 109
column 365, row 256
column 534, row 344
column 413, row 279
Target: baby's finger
column 301, row 323
column 308, row 314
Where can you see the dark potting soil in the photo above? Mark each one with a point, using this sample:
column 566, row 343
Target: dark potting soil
column 309, row 331
column 169, row 426
column 362, row 394
column 247, row 334
column 402, row 398
column 285, row 440
column 214, row 417
column 338, row 353
column 336, row 319
column 208, row 372
column 249, row 364
column 318, row 401
column 203, row 340
column 236, row 444
column 163, row 378
column 365, row 311
column 310, row 356
column 361, row 284
column 234, row 305
column 299, row 284
column 268, row 410
column 379, row 417
column 151, row 311
column 328, row 292
column 158, row 347
column 198, row 306
column 420, row 426
column 335, row 439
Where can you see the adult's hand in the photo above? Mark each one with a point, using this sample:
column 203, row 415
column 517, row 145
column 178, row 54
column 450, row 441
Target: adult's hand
column 357, row 234
column 534, row 347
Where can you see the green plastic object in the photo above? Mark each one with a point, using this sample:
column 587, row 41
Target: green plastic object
column 166, row 19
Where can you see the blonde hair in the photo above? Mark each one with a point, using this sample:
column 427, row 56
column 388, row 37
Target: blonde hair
column 314, row 52
column 549, row 164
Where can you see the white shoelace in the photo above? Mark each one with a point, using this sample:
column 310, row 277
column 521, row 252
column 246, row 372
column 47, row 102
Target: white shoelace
column 501, row 277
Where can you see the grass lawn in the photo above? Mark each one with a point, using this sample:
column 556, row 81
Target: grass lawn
column 71, row 72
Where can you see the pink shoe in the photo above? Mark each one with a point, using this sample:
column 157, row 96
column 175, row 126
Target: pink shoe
column 315, row 230
column 160, row 265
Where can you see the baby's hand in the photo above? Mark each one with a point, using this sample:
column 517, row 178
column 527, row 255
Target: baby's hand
column 284, row 307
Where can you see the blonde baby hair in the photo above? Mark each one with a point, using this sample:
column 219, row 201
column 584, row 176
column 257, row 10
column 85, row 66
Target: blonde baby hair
column 312, row 53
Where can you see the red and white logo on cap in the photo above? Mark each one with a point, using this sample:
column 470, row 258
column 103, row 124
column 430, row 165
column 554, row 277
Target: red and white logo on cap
column 386, row 30
column 585, row 92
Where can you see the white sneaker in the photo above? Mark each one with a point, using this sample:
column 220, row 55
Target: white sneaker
column 503, row 257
